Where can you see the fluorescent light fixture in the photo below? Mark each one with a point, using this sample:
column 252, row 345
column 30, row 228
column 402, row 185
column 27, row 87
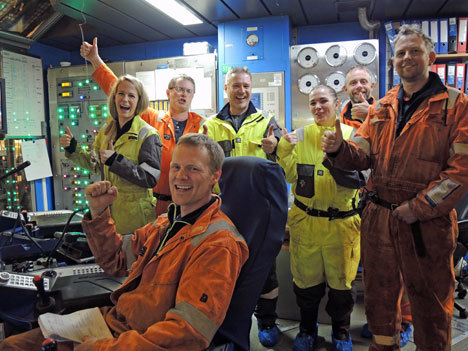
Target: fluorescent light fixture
column 175, row 10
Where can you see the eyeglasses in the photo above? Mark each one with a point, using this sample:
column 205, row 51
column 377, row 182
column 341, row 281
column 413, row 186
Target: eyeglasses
column 181, row 90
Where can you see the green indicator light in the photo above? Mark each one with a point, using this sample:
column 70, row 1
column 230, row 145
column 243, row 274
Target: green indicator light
column 62, row 148
column 78, row 168
column 95, row 87
column 105, row 114
column 80, row 84
column 60, row 116
column 15, row 199
column 8, row 181
column 73, row 123
column 96, row 123
column 87, row 81
column 61, row 131
column 13, row 148
column 9, row 193
column 85, row 171
column 83, row 147
column 92, row 108
column 3, row 6
column 86, row 182
column 83, row 136
column 60, row 110
column 104, row 108
column 9, row 199
column 72, row 116
column 86, row 202
column 92, row 115
column 72, row 109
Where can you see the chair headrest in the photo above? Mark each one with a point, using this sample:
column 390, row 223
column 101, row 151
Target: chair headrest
column 254, row 197
column 250, row 188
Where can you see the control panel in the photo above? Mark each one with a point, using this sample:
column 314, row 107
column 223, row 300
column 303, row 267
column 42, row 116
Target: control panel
column 77, row 102
column 21, row 281
column 24, row 281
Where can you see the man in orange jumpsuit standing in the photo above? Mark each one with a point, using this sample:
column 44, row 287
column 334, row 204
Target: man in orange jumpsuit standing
column 171, row 126
column 359, row 84
column 415, row 140
column 179, row 288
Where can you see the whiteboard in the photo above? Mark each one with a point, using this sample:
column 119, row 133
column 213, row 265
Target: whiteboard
column 24, row 94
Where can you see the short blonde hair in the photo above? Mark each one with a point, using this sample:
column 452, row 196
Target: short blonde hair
column 200, row 140
column 410, row 29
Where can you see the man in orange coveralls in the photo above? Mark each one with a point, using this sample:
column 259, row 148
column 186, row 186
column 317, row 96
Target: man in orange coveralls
column 178, row 290
column 415, row 140
column 359, row 84
column 171, row 126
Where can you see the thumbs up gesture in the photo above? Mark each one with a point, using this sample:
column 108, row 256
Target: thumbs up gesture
column 91, row 52
column 66, row 138
column 331, row 140
column 269, row 143
column 105, row 154
column 359, row 110
column 290, row 137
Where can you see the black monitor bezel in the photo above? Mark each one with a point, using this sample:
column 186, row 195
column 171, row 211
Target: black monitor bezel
column 3, row 122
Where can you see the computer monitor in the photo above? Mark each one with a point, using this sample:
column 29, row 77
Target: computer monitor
column 3, row 112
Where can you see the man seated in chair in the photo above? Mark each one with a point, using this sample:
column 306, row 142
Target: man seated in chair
column 180, row 286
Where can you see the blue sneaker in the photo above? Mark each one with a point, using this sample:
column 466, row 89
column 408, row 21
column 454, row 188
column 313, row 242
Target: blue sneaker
column 269, row 336
column 304, row 341
column 342, row 345
column 405, row 334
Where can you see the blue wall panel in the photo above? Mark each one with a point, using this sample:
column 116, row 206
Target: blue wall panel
column 144, row 51
column 275, row 35
column 327, row 33
column 50, row 56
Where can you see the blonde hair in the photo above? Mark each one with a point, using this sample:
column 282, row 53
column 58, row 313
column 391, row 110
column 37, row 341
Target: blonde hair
column 410, row 29
column 143, row 101
column 200, row 140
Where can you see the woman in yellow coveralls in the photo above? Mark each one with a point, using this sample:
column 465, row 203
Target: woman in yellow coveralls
column 324, row 224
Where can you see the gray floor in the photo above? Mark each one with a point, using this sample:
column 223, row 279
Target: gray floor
column 289, row 329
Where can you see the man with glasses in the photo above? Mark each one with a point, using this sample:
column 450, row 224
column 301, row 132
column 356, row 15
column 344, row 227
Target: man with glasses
column 171, row 126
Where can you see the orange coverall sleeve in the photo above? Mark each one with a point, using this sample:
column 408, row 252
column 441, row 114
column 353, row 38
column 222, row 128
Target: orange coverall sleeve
column 107, row 246
column 105, row 78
